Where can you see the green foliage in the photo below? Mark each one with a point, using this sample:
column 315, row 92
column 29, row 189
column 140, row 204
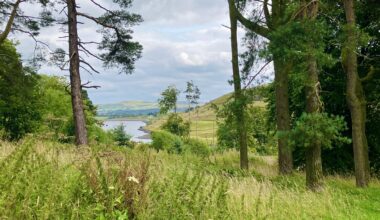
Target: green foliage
column 169, row 99
column 120, row 136
column 19, row 97
column 197, row 147
column 176, row 125
column 57, row 116
column 318, row 127
column 307, row 39
column 34, row 184
column 261, row 137
column 163, row 140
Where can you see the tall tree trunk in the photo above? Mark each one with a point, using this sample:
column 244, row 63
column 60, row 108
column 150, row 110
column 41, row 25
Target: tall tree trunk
column 314, row 175
column 8, row 26
column 239, row 97
column 76, row 95
column 356, row 99
column 281, row 69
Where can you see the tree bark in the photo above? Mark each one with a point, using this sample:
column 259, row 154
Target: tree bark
column 314, row 175
column 75, row 80
column 239, row 97
column 356, row 99
column 282, row 69
column 285, row 157
column 9, row 24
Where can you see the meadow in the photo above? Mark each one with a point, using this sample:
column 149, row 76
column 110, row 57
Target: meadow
column 47, row 180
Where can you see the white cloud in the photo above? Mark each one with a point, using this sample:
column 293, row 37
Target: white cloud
column 183, row 40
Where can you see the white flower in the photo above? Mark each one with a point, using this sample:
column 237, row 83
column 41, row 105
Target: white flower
column 133, row 179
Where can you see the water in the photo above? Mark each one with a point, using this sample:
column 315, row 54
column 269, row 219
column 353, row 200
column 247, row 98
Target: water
column 132, row 128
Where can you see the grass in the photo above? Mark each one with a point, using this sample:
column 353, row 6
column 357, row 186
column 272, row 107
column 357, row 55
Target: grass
column 45, row 180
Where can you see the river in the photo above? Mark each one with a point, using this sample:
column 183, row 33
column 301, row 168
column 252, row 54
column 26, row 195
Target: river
column 132, row 128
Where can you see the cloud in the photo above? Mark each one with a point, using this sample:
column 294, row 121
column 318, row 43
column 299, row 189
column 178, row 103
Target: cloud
column 182, row 40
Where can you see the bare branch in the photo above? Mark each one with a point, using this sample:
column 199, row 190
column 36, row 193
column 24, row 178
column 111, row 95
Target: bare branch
column 89, row 52
column 257, row 74
column 89, row 65
column 86, row 85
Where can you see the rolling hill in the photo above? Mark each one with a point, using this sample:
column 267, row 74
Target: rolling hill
column 132, row 108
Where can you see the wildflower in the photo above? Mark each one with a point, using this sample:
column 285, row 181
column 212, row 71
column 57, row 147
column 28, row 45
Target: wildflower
column 133, row 179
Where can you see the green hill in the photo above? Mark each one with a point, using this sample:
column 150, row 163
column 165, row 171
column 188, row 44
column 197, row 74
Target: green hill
column 132, row 108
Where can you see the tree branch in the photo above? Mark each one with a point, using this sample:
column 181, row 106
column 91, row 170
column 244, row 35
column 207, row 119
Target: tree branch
column 86, row 86
column 89, row 52
column 253, row 26
column 257, row 74
column 266, row 13
column 369, row 75
column 89, row 65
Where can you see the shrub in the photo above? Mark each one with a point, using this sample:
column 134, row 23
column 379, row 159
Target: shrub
column 196, row 147
column 176, row 125
column 163, row 140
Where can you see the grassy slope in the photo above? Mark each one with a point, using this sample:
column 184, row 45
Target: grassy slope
column 44, row 180
column 203, row 124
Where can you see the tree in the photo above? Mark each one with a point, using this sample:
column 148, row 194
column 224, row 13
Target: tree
column 19, row 98
column 168, row 100
column 192, row 96
column 355, row 97
column 118, row 50
column 239, row 104
column 17, row 21
column 314, row 173
column 120, row 136
column 272, row 21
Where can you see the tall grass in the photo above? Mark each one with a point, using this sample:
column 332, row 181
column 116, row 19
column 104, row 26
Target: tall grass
column 46, row 180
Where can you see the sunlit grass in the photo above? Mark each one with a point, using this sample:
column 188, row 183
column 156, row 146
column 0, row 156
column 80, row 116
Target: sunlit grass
column 46, row 180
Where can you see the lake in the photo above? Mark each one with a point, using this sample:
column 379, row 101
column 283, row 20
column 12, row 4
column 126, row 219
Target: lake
column 132, row 128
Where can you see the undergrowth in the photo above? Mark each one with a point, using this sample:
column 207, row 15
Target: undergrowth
column 46, row 180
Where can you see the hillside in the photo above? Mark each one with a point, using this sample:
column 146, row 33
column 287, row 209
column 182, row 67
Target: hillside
column 203, row 124
column 132, row 108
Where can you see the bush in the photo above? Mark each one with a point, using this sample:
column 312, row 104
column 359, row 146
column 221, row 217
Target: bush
column 196, row 147
column 163, row 140
column 176, row 125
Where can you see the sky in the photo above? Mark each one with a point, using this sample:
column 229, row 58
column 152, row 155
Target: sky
column 183, row 40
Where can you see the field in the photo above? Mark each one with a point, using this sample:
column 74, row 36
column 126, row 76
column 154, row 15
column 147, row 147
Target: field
column 203, row 122
column 47, row 180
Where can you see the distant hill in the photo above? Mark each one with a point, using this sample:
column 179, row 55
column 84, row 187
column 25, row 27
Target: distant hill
column 132, row 108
